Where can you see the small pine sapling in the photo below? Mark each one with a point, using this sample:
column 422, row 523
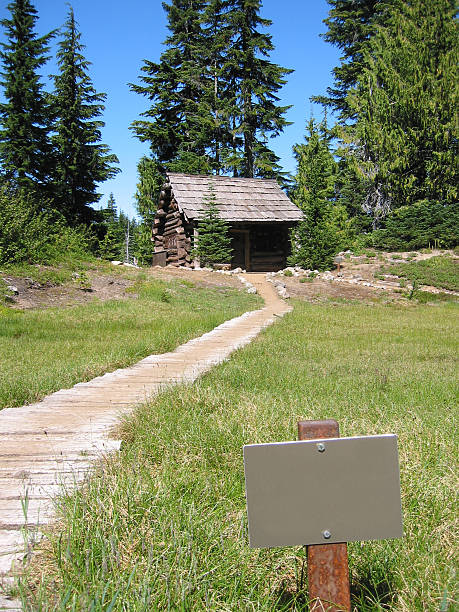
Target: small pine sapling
column 214, row 242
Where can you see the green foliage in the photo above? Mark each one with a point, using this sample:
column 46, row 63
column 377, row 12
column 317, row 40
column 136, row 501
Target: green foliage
column 315, row 240
column 256, row 82
column 111, row 246
column 82, row 160
column 147, row 196
column 148, row 188
column 350, row 25
column 25, row 115
column 423, row 224
column 395, row 94
column 213, row 92
column 406, row 129
column 214, row 241
column 441, row 271
column 30, row 234
column 426, row 297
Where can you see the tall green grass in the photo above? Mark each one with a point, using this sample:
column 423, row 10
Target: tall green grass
column 45, row 350
column 162, row 526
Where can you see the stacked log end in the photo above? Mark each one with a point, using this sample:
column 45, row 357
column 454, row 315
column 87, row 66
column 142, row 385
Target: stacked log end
column 168, row 230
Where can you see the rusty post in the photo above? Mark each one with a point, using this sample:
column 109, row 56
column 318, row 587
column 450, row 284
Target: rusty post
column 328, row 570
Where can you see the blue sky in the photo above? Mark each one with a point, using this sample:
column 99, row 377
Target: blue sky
column 119, row 35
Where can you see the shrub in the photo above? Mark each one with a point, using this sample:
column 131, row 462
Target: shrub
column 29, row 233
column 423, row 224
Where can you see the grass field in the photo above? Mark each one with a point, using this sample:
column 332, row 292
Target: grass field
column 162, row 526
column 45, row 350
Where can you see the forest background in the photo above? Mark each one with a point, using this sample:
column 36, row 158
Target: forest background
column 381, row 170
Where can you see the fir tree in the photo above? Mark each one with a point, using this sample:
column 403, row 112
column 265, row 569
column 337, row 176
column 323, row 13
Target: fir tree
column 214, row 241
column 82, row 160
column 256, row 82
column 25, row 117
column 315, row 240
column 350, row 27
column 404, row 141
column 218, row 105
column 147, row 196
column 111, row 245
column 173, row 125
column 213, row 92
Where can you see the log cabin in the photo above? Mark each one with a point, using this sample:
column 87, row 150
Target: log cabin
column 258, row 212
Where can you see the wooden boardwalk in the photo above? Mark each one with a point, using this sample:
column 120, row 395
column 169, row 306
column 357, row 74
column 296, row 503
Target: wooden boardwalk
column 52, row 444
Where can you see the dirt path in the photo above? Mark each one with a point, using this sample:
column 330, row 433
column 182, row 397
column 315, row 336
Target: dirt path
column 51, row 444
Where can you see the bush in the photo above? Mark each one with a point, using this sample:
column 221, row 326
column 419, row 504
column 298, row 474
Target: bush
column 30, row 234
column 422, row 225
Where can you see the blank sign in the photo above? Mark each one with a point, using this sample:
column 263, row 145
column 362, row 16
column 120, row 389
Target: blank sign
column 323, row 491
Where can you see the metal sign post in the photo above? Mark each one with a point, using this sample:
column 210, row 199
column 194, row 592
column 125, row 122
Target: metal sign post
column 323, row 491
column 328, row 570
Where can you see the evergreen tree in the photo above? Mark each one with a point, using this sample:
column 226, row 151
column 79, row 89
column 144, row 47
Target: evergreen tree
column 147, row 196
column 256, row 82
column 214, row 241
column 82, row 160
column 173, row 126
column 213, row 92
column 25, row 150
column 350, row 27
column 218, row 105
column 315, row 240
column 404, row 141
column 110, row 246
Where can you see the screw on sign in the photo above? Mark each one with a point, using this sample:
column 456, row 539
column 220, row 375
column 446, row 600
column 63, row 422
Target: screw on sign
column 323, row 495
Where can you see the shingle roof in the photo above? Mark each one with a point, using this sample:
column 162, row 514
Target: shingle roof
column 238, row 199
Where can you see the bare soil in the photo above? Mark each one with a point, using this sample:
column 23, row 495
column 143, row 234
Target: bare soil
column 356, row 279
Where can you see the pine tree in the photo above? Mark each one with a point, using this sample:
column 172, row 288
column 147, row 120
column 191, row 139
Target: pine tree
column 25, row 117
column 256, row 82
column 350, row 27
column 82, row 160
column 213, row 92
column 404, row 141
column 173, row 126
column 315, row 240
column 214, row 241
column 111, row 245
column 147, row 196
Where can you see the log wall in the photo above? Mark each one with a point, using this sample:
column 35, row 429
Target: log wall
column 169, row 231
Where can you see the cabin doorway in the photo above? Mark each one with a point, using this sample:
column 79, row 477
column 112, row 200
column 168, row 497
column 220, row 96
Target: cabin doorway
column 240, row 243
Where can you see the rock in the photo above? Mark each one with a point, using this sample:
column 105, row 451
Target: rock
column 237, row 271
column 116, row 263
column 278, row 283
column 13, row 289
column 283, row 293
column 251, row 290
